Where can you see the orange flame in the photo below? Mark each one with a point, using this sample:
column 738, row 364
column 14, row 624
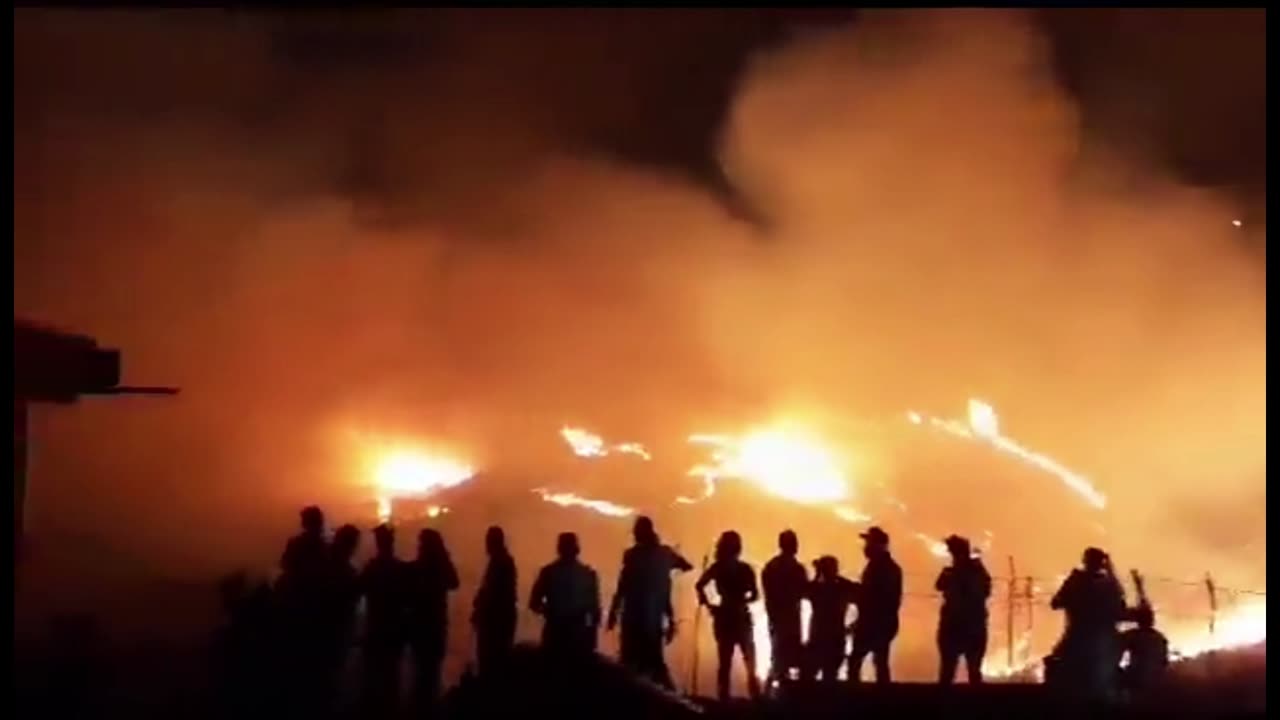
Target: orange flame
column 566, row 499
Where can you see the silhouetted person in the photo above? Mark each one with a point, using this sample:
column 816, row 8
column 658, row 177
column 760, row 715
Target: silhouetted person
column 493, row 613
column 245, row 644
column 830, row 596
column 304, row 598
column 566, row 594
column 735, row 583
column 962, row 623
column 342, row 594
column 643, row 598
column 1147, row 650
column 432, row 577
column 384, row 582
column 1086, row 659
column 879, row 600
column 785, row 582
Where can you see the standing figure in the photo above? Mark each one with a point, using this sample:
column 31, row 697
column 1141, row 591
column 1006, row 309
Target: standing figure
column 566, row 594
column 301, row 591
column 342, row 594
column 432, row 577
column 384, row 582
column 493, row 613
column 784, row 580
column 1086, row 658
column 735, row 583
column 831, row 595
column 962, row 623
column 643, row 599
column 879, row 601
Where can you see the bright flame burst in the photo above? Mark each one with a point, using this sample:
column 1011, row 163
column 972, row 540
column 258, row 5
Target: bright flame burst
column 783, row 462
column 587, row 444
column 983, row 424
column 604, row 507
column 1243, row 626
column 403, row 473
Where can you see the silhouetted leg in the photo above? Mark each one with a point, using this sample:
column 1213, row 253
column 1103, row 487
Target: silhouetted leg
column 724, row 658
column 860, row 652
column 973, row 664
column 880, row 657
column 948, row 658
column 748, row 644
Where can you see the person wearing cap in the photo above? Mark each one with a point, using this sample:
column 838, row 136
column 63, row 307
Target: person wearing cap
column 879, row 601
column 830, row 596
column 962, row 623
column 1086, row 658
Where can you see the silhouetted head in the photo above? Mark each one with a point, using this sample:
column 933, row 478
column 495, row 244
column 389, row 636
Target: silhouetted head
column 345, row 541
column 788, row 543
column 431, row 544
column 384, row 538
column 1095, row 560
column 826, row 567
column 567, row 546
column 729, row 546
column 875, row 541
column 959, row 548
column 1144, row 616
column 312, row 520
column 643, row 531
column 495, row 541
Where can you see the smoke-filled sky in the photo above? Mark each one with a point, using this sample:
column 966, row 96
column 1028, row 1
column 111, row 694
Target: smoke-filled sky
column 471, row 227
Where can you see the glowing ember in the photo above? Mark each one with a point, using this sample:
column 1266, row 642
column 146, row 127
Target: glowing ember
column 849, row 515
column 783, row 463
column 587, row 444
column 936, row 547
column 984, row 424
column 434, row 511
column 604, row 507
column 583, row 443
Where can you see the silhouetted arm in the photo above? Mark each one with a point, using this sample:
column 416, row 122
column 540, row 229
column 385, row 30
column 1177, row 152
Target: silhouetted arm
column 615, row 605
column 537, row 594
column 701, row 586
column 753, row 590
column 1061, row 597
column 679, row 562
column 944, row 579
column 895, row 587
column 594, row 614
column 450, row 575
column 984, row 580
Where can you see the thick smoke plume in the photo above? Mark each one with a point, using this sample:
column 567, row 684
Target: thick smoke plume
column 411, row 241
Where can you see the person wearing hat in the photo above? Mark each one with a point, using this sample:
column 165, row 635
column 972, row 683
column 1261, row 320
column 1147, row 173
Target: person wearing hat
column 962, row 624
column 879, row 602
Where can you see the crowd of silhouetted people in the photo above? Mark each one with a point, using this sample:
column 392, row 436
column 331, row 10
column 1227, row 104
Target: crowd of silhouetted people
column 309, row 616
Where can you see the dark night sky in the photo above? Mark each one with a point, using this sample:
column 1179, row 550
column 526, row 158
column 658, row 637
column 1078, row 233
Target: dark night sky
column 1185, row 88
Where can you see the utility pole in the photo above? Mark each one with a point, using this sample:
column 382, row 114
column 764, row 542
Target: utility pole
column 1029, row 592
column 1213, row 602
column 1013, row 592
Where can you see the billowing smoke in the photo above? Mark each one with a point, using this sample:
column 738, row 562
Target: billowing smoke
column 411, row 241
